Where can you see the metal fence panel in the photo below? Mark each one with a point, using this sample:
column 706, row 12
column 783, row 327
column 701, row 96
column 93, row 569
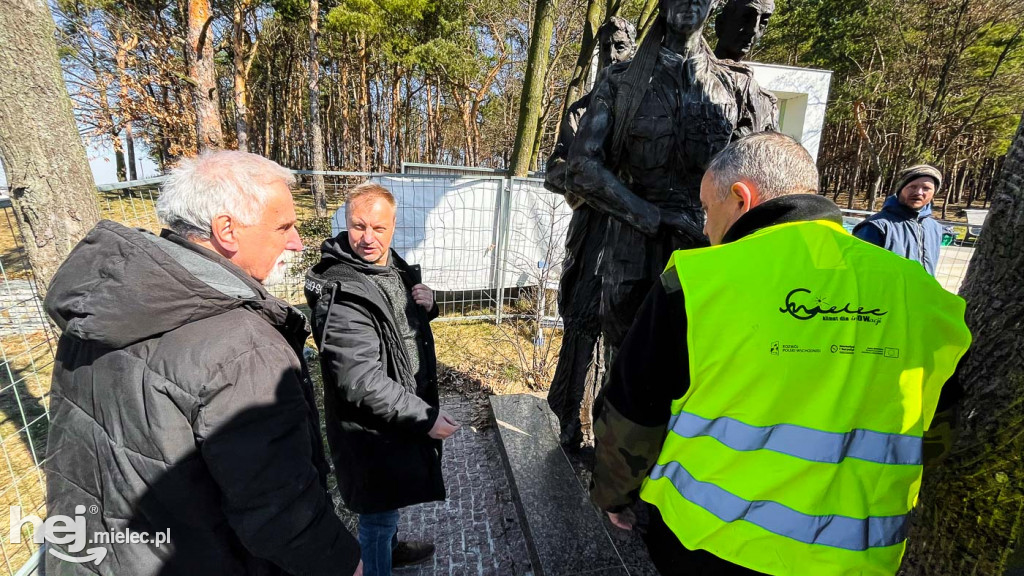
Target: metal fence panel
column 534, row 250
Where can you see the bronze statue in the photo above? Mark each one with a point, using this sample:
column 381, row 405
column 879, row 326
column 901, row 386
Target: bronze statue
column 740, row 25
column 616, row 42
column 579, row 291
column 650, row 131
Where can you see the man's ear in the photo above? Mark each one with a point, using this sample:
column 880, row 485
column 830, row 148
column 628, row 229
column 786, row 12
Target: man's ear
column 224, row 233
column 745, row 195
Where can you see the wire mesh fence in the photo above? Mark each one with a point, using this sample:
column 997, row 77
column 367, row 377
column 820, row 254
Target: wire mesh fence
column 27, row 345
column 534, row 249
column 131, row 203
column 491, row 246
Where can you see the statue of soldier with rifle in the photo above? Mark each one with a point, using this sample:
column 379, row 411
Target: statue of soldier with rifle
column 651, row 128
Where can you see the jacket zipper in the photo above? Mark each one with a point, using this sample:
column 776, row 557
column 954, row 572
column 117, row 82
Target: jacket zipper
column 920, row 241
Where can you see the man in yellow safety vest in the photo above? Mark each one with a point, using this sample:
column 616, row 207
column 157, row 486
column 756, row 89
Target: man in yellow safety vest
column 767, row 407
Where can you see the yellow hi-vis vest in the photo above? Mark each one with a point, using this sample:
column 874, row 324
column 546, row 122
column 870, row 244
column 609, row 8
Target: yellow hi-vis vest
column 816, row 362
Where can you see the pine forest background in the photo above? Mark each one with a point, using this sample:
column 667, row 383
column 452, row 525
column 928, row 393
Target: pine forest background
column 440, row 81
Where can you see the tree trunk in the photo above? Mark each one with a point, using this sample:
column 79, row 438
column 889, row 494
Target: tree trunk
column 538, row 140
column 394, row 130
column 268, row 115
column 646, row 22
column 42, row 153
column 122, row 170
column 130, row 140
column 203, row 75
column 319, row 165
column 238, row 70
column 587, row 45
column 343, row 149
column 428, row 139
column 971, row 516
column 613, row 8
column 363, row 101
column 532, row 99
column 377, row 127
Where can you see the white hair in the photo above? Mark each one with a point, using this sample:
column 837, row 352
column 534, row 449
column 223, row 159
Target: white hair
column 221, row 182
column 777, row 164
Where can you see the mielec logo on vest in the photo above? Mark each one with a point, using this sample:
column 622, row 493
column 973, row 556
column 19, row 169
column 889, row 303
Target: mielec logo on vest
column 802, row 304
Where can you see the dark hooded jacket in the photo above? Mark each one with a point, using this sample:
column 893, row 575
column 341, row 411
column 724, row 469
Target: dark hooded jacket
column 378, row 412
column 180, row 402
column 913, row 234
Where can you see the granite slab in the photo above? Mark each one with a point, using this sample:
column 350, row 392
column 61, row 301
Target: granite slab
column 566, row 534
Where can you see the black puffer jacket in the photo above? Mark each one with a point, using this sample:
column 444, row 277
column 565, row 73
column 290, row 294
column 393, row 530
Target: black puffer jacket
column 378, row 415
column 180, row 402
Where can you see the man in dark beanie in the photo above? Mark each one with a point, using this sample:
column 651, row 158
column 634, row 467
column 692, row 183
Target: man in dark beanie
column 905, row 225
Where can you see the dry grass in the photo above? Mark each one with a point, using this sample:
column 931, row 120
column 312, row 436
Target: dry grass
column 12, row 257
column 499, row 359
column 135, row 208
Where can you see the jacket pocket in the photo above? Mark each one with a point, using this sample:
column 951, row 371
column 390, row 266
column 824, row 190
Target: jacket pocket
column 650, row 142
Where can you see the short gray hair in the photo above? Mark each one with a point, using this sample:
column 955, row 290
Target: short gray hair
column 220, row 182
column 775, row 163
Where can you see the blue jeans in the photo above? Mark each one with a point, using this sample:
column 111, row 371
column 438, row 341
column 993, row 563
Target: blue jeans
column 378, row 534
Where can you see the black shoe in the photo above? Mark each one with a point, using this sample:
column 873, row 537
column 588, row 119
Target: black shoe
column 411, row 553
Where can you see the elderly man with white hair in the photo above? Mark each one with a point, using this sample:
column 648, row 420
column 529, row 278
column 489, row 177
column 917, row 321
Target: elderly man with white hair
column 181, row 405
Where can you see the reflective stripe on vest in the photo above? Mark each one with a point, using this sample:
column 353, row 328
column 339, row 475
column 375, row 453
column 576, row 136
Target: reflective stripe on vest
column 837, row 531
column 815, row 362
column 801, row 442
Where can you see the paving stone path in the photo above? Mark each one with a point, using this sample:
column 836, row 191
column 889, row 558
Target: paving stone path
column 476, row 531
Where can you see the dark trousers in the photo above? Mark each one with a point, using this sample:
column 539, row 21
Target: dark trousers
column 672, row 559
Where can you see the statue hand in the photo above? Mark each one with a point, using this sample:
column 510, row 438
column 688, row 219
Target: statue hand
column 684, row 227
column 574, row 200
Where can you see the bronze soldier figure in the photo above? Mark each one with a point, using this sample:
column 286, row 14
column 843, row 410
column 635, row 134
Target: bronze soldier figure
column 740, row 26
column 651, row 129
column 579, row 291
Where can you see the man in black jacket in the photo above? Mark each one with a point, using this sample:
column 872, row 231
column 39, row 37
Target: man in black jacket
column 180, row 400
column 371, row 322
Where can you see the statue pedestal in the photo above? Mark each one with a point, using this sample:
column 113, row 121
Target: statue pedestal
column 565, row 533
column 803, row 98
